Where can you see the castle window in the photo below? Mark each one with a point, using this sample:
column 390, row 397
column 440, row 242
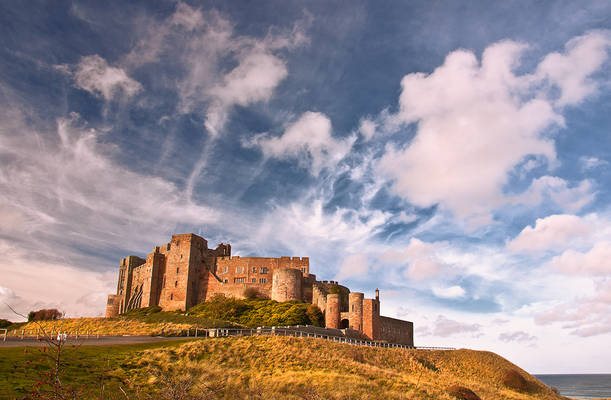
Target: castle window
column 172, row 297
column 303, row 270
column 225, row 269
column 262, row 280
column 239, row 270
column 178, row 243
column 264, row 270
column 254, row 269
column 226, row 280
column 176, row 284
column 254, row 280
column 239, row 280
column 177, row 270
column 168, row 247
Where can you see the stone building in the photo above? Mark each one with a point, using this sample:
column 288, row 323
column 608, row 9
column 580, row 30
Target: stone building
column 185, row 272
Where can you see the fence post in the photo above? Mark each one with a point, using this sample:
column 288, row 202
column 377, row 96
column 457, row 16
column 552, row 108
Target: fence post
column 22, row 331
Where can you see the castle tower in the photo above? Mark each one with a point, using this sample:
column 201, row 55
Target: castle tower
column 371, row 318
column 332, row 312
column 286, row 284
column 355, row 315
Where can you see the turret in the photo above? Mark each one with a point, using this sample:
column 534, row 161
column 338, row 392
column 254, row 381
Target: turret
column 332, row 312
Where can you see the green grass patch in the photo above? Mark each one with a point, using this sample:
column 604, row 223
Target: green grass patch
column 86, row 368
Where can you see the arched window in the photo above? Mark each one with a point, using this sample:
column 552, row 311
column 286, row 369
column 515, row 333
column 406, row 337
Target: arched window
column 176, row 284
column 171, row 296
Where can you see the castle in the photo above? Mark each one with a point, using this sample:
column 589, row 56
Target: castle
column 185, row 272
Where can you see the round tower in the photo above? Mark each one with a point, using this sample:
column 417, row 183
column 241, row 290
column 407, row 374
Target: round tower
column 332, row 312
column 286, row 284
column 355, row 310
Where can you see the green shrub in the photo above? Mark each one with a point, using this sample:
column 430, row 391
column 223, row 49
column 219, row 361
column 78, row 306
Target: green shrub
column 258, row 312
column 4, row 323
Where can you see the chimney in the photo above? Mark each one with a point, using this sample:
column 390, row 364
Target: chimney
column 377, row 295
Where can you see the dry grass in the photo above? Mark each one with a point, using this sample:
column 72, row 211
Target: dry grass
column 106, row 326
column 294, row 368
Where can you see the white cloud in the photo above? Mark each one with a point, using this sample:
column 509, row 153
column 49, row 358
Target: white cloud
column 584, row 55
column 187, row 17
column 593, row 262
column 452, row 292
column 254, row 79
column 310, row 140
column 588, row 163
column 558, row 191
column 353, row 265
column 203, row 44
column 37, row 284
column 477, row 122
column 583, row 316
column 445, row 327
column 65, row 187
column 552, row 232
column 367, row 128
column 424, row 263
column 97, row 77
column 517, row 336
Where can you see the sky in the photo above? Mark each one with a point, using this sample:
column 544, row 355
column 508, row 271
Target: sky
column 455, row 155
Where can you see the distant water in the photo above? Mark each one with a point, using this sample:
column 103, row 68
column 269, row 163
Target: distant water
column 590, row 386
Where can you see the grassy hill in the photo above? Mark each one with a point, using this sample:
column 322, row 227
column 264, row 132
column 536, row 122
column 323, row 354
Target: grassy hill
column 276, row 368
column 219, row 312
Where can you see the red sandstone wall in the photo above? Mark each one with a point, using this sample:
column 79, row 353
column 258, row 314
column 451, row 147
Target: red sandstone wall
column 332, row 313
column 396, row 331
column 371, row 318
column 175, row 282
column 112, row 305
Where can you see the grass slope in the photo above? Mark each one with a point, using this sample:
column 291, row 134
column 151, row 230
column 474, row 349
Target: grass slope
column 219, row 312
column 280, row 368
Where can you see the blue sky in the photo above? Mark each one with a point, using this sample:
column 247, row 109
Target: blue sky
column 456, row 155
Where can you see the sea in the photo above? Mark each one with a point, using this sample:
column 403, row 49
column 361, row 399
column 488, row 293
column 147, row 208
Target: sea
column 590, row 386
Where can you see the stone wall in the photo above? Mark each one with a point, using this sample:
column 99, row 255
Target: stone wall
column 396, row 331
column 286, row 284
column 371, row 318
column 332, row 312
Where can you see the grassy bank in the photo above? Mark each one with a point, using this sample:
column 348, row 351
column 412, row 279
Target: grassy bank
column 219, row 312
column 279, row 368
